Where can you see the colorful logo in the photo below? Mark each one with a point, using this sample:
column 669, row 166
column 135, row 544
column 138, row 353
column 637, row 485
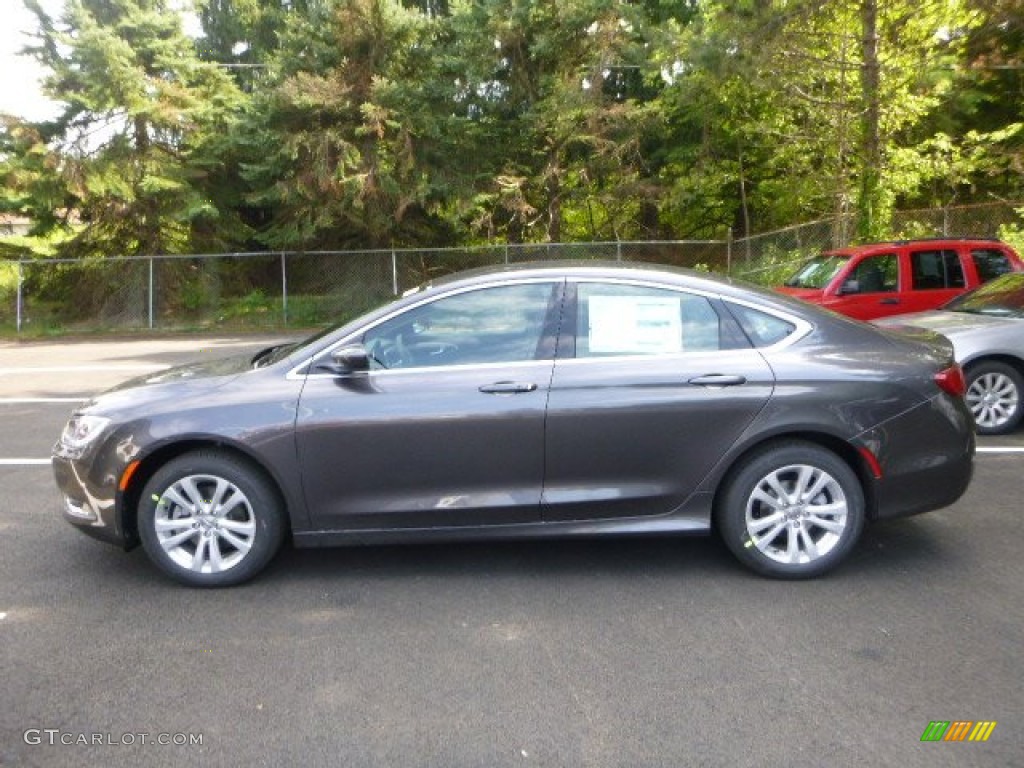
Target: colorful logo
column 958, row 730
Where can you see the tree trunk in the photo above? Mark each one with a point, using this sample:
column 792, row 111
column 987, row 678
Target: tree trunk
column 554, row 195
column 868, row 213
column 148, row 240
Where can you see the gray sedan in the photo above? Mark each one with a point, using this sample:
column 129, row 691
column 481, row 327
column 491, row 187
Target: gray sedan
column 558, row 400
column 986, row 327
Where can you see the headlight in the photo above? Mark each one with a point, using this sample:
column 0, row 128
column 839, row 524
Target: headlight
column 82, row 430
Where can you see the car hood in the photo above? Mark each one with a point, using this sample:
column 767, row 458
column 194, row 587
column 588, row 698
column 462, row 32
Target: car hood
column 172, row 384
column 203, row 373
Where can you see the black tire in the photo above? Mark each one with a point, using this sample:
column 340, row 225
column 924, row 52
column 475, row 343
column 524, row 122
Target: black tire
column 208, row 519
column 792, row 537
column 994, row 393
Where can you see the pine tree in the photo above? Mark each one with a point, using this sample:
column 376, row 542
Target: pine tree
column 139, row 133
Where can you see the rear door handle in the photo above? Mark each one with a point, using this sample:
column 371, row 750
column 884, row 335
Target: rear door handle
column 889, row 301
column 507, row 388
column 718, row 380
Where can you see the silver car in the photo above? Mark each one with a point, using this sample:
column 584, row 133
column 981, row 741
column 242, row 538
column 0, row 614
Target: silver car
column 986, row 327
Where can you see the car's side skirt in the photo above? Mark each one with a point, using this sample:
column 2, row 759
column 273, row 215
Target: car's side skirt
column 693, row 518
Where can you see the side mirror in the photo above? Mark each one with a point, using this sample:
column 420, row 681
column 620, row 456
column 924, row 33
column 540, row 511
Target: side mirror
column 850, row 285
column 347, row 360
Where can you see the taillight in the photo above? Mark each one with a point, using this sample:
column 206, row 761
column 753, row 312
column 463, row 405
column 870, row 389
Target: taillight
column 952, row 380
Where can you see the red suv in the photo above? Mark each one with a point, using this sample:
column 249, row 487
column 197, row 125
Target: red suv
column 869, row 281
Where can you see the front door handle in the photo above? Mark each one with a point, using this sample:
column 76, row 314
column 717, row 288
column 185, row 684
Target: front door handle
column 507, row 388
column 718, row 380
column 889, row 301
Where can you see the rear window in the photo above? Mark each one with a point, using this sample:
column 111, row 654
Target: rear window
column 990, row 263
column 1002, row 297
column 931, row 270
column 762, row 328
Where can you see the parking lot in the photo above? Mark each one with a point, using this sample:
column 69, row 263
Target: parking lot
column 643, row 652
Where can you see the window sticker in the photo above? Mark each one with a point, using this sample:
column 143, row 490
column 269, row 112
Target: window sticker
column 639, row 325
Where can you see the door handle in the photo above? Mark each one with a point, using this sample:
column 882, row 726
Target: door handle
column 507, row 388
column 718, row 380
column 889, row 301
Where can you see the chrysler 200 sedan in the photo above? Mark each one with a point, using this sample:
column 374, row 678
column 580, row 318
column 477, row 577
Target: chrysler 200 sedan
column 554, row 400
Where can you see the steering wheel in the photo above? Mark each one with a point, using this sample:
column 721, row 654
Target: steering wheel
column 432, row 352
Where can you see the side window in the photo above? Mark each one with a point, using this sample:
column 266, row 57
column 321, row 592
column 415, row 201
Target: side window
column 990, row 263
column 936, row 269
column 634, row 320
column 874, row 274
column 490, row 325
column 761, row 328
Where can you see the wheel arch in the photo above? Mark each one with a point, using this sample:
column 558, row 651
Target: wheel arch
column 1006, row 358
column 128, row 499
column 1014, row 369
column 843, row 449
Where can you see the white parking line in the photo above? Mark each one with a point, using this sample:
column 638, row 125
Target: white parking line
column 998, row 449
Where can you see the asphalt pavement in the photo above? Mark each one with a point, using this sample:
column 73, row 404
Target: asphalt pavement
column 631, row 653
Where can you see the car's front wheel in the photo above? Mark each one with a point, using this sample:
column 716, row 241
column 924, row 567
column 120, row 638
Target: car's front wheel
column 994, row 397
column 791, row 510
column 210, row 520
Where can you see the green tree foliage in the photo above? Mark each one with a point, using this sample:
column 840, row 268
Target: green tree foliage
column 338, row 134
column 300, row 124
column 139, row 134
column 564, row 96
column 801, row 109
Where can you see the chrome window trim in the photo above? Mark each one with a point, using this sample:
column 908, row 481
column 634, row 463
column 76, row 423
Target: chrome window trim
column 420, row 370
column 682, row 356
column 801, row 327
column 297, row 371
column 642, row 283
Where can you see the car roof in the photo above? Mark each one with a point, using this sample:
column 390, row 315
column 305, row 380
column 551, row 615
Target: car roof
column 682, row 277
column 592, row 269
column 935, row 242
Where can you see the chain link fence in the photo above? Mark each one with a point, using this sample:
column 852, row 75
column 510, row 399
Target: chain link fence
column 263, row 291
column 769, row 257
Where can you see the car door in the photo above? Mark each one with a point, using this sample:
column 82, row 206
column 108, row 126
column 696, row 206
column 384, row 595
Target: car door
column 936, row 276
column 447, row 426
column 650, row 388
column 870, row 289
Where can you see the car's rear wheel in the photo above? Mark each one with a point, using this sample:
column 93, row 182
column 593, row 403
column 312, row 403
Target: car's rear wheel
column 210, row 520
column 791, row 510
column 994, row 397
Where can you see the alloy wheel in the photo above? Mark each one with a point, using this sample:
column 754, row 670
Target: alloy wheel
column 993, row 398
column 796, row 514
column 205, row 524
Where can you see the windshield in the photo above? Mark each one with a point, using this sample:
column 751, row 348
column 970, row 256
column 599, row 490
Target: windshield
column 817, row 272
column 273, row 355
column 277, row 353
column 1002, row 297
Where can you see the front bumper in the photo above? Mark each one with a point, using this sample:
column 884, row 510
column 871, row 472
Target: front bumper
column 89, row 506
